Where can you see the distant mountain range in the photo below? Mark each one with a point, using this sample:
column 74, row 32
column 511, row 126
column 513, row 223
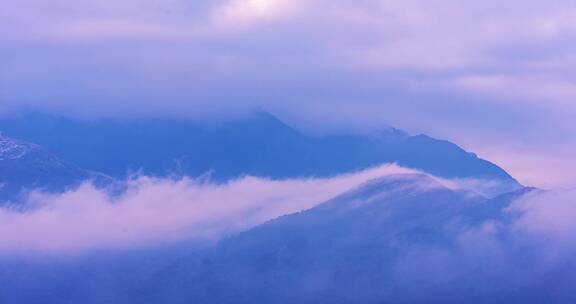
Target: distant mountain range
column 402, row 238
column 259, row 145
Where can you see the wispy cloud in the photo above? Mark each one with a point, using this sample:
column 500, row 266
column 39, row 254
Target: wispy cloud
column 549, row 215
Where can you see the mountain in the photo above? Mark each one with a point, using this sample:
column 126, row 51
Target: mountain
column 398, row 239
column 259, row 145
column 25, row 165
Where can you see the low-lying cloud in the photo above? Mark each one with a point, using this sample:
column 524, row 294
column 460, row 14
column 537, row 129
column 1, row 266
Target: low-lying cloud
column 154, row 210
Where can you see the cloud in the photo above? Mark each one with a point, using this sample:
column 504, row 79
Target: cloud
column 471, row 43
column 154, row 211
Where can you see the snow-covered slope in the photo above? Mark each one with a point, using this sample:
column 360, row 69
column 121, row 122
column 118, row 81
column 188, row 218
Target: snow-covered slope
column 11, row 149
column 25, row 166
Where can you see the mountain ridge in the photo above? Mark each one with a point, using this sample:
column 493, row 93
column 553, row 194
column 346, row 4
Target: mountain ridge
column 259, row 145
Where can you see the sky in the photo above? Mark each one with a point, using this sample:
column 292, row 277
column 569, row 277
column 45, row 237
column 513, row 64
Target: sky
column 496, row 77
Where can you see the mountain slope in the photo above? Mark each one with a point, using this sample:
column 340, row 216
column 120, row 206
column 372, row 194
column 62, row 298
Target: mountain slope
column 258, row 145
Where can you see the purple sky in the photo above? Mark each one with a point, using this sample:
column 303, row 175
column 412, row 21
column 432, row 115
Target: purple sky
column 494, row 76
